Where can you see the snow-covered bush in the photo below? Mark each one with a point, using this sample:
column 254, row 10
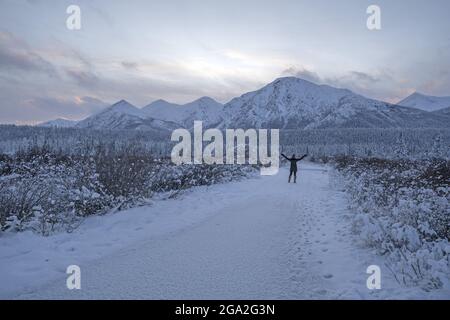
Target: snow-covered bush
column 44, row 191
column 47, row 191
column 186, row 176
column 402, row 208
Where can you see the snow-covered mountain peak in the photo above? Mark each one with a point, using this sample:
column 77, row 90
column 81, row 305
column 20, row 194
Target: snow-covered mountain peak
column 287, row 102
column 302, row 85
column 160, row 103
column 291, row 81
column 205, row 109
column 203, row 102
column 416, row 94
column 124, row 107
column 297, row 91
column 425, row 102
column 206, row 100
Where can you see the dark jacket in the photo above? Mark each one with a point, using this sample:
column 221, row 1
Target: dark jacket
column 293, row 162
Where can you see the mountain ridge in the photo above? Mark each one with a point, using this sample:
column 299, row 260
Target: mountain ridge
column 294, row 103
column 285, row 103
column 425, row 102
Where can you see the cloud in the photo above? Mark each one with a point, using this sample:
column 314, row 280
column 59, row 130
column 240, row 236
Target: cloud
column 85, row 79
column 377, row 85
column 303, row 73
column 75, row 108
column 349, row 77
column 16, row 56
column 129, row 65
column 49, row 89
column 37, row 109
column 362, row 76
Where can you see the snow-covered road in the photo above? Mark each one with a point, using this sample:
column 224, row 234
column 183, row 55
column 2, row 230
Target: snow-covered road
column 260, row 238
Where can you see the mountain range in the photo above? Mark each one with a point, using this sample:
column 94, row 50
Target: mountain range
column 286, row 103
column 206, row 109
column 123, row 115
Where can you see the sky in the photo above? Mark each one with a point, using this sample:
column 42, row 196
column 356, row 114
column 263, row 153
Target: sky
column 181, row 50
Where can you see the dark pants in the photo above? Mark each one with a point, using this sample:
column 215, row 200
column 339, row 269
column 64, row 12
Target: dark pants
column 295, row 176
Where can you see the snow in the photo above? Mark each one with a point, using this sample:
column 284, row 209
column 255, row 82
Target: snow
column 425, row 102
column 124, row 107
column 204, row 109
column 286, row 103
column 118, row 116
column 254, row 239
column 123, row 115
column 160, row 114
column 162, row 109
column 294, row 103
column 403, row 214
column 281, row 100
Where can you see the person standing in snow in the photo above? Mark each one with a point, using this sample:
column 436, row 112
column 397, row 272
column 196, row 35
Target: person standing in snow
column 293, row 169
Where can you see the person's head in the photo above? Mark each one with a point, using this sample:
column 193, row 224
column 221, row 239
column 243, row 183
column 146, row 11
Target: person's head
column 293, row 155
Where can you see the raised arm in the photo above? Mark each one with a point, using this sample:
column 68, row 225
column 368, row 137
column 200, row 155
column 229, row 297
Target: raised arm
column 301, row 158
column 285, row 157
